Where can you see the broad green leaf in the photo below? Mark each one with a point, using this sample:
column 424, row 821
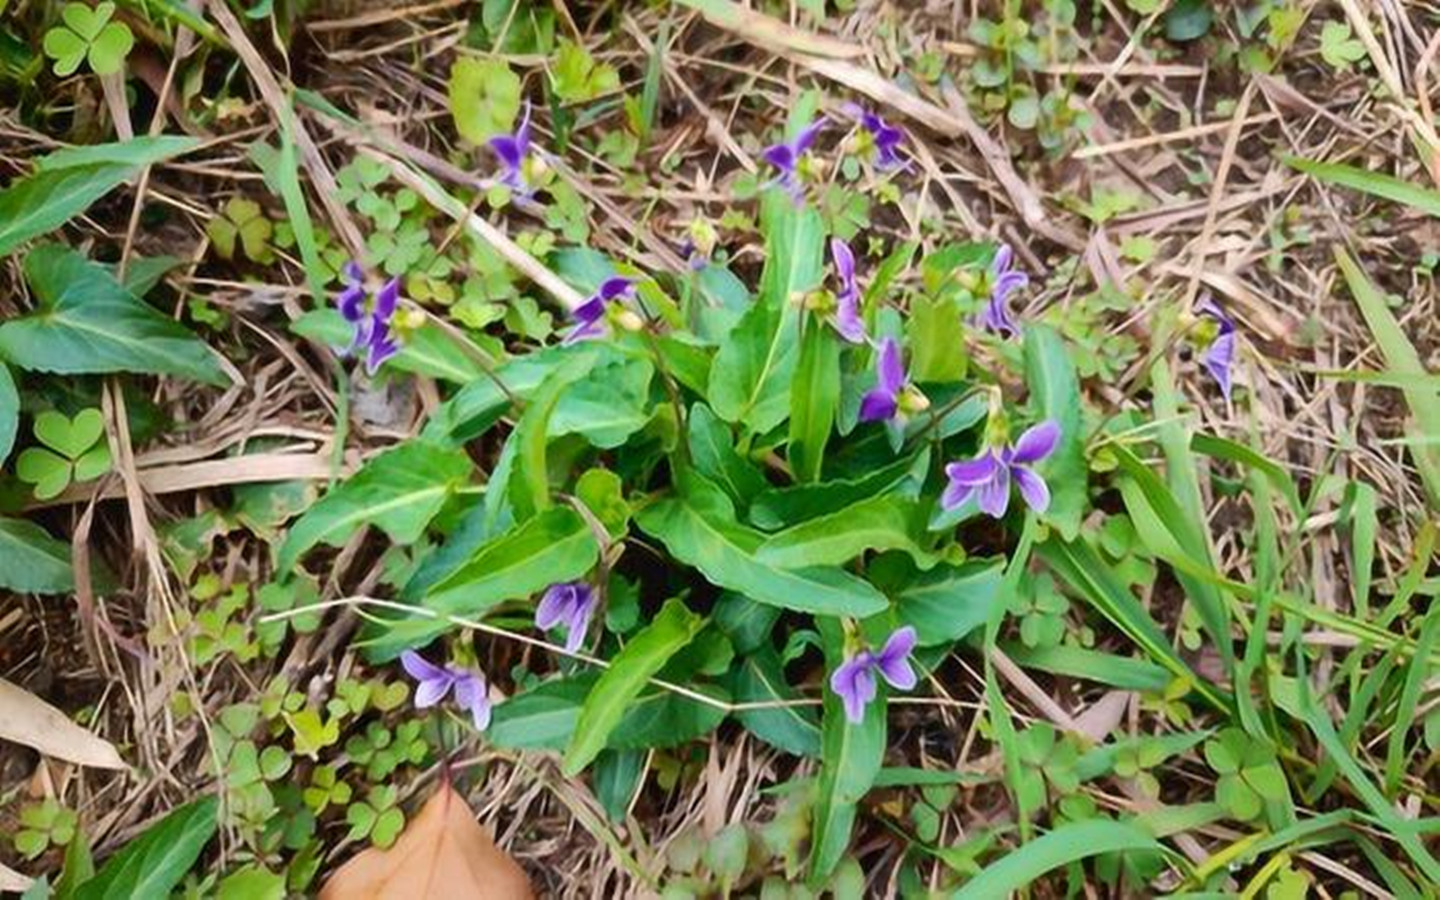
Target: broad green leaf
column 699, row 529
column 428, row 350
column 153, row 864
column 63, row 186
column 850, row 758
column 881, row 523
column 630, row 670
column 399, row 491
column 814, row 399
column 1056, row 394
column 556, row 545
column 936, row 339
column 1089, row 576
column 9, row 412
column 607, row 406
column 948, row 602
column 1402, row 358
column 479, row 404
column 1377, row 184
column 760, row 678
column 484, row 98
column 88, row 323
column 1069, row 843
column 31, row 561
column 750, row 379
column 617, row 776
column 713, row 452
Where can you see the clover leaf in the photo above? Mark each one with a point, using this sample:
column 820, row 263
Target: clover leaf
column 1338, row 47
column 1249, row 774
column 245, row 221
column 88, row 35
column 74, row 450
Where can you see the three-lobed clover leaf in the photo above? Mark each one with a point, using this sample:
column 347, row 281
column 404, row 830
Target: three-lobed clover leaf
column 1249, row 774
column 1339, row 47
column 242, row 222
column 88, row 35
column 376, row 817
column 74, row 450
column 43, row 824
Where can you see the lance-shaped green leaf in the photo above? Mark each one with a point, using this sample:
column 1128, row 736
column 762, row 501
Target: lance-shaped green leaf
column 779, row 507
column 713, row 451
column 68, row 181
column 427, row 350
column 399, row 491
column 88, row 322
column 699, row 529
column 553, row 546
column 544, row 717
column 750, row 379
column 556, row 545
column 948, row 602
column 153, row 864
column 880, row 523
column 814, row 399
column 1056, row 393
column 629, row 671
column 760, row 678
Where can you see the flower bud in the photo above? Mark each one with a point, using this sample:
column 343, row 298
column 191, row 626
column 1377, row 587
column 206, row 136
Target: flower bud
column 997, row 424
column 628, row 319
column 912, row 402
column 819, row 301
column 704, row 236
column 408, row 319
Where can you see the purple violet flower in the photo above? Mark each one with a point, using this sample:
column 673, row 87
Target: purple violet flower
column 512, row 149
column 854, row 679
column 1005, row 279
column 570, row 604
column 882, row 402
column 987, row 477
column 847, row 308
column 372, row 326
column 786, row 155
column 590, row 315
column 1220, row 354
column 884, row 137
column 434, row 682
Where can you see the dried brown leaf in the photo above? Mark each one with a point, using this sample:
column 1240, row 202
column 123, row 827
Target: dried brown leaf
column 26, row 719
column 11, row 880
column 444, row 853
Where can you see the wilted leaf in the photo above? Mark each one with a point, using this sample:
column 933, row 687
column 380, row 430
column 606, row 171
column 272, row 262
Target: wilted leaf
column 26, row 719
column 443, row 853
